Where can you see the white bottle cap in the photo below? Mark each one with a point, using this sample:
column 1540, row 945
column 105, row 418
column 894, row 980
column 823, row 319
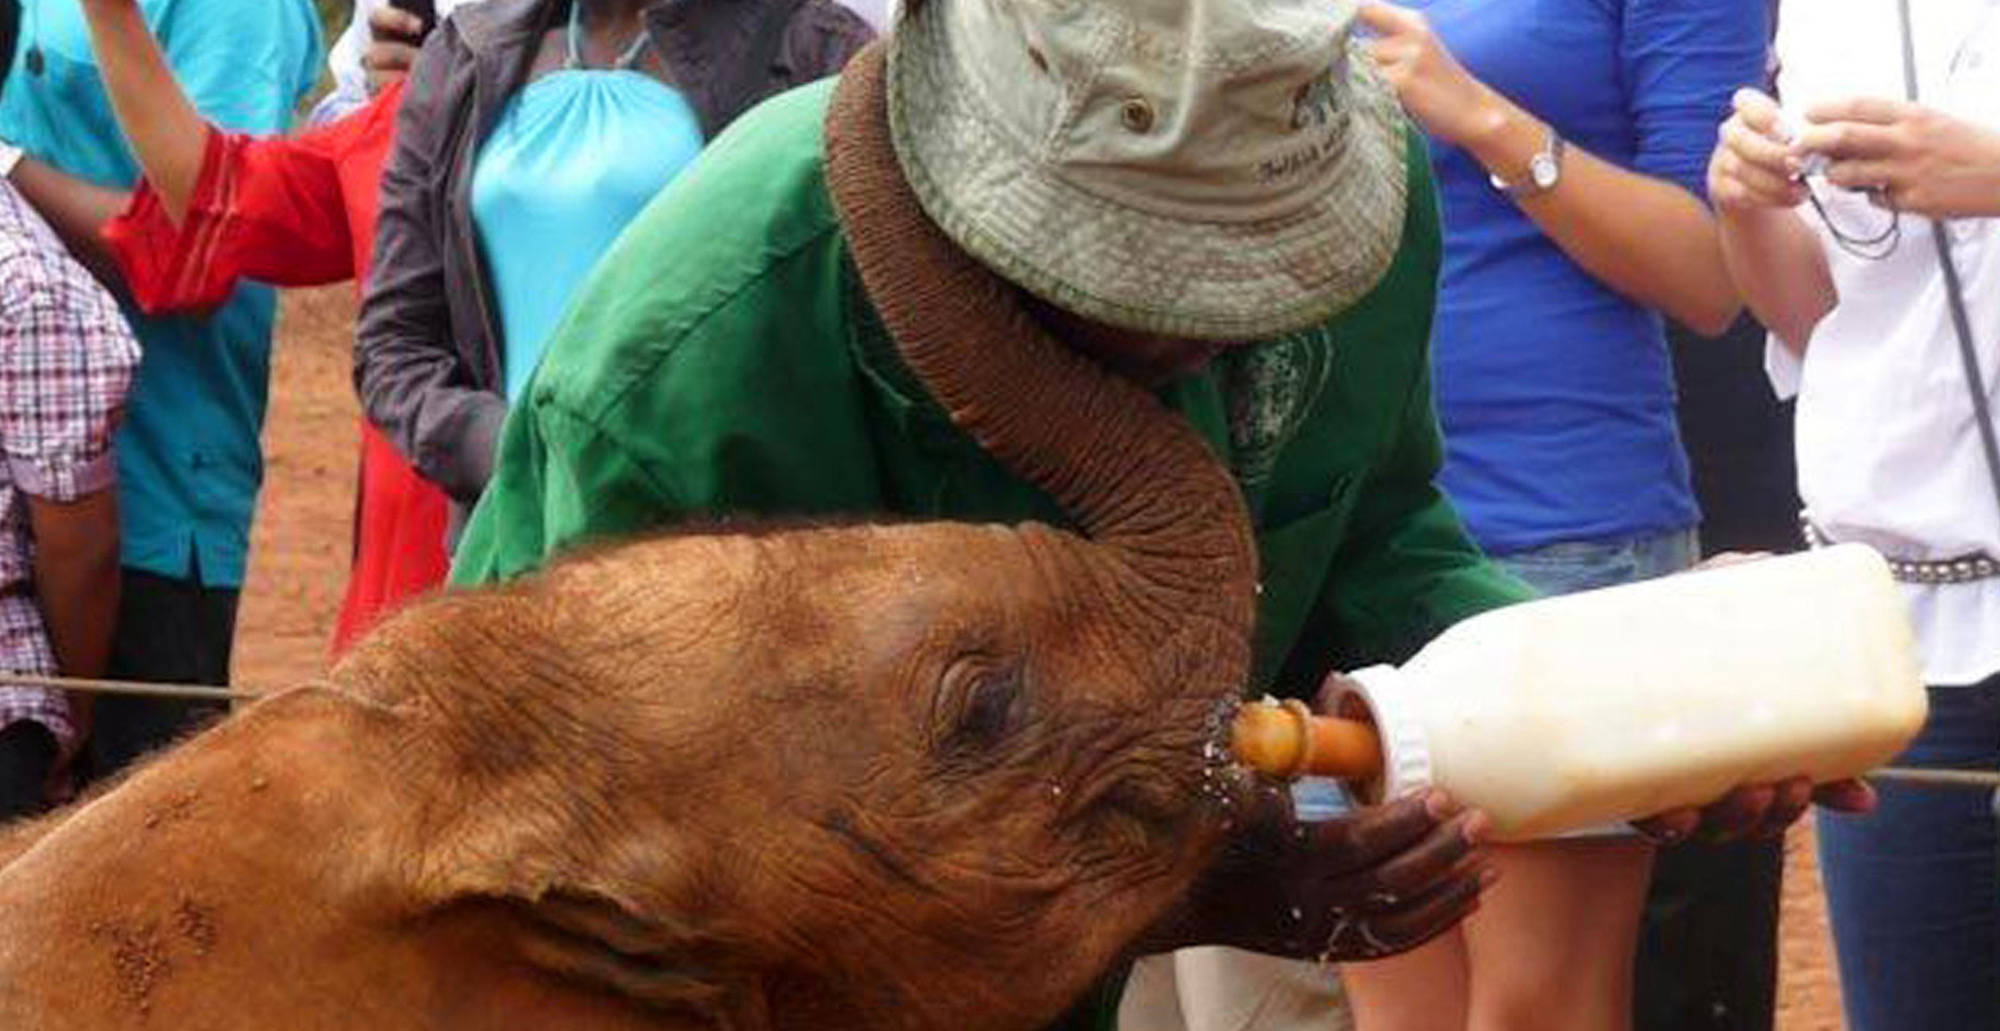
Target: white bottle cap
column 1391, row 703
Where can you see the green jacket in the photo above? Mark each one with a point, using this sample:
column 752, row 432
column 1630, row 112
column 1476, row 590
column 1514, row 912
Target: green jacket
column 724, row 360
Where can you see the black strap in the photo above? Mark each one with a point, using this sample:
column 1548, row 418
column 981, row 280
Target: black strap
column 10, row 35
column 745, row 82
column 1968, row 354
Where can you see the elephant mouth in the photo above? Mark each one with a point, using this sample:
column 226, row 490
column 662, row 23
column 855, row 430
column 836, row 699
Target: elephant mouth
column 1179, row 781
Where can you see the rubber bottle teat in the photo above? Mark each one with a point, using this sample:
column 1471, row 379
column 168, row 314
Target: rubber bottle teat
column 1286, row 740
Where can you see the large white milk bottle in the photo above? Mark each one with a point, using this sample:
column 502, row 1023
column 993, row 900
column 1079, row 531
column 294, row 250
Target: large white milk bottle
column 1579, row 711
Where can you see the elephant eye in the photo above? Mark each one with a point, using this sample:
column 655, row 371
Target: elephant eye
column 978, row 704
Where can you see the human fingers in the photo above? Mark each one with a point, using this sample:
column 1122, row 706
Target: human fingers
column 1846, row 796
column 1757, row 149
column 1390, row 20
column 1669, row 828
column 1442, row 908
column 1757, row 111
column 386, row 22
column 1374, row 835
column 1449, row 852
column 1788, row 803
column 1737, row 814
column 1846, row 141
column 1871, row 110
column 1865, row 174
column 1735, row 184
column 387, row 62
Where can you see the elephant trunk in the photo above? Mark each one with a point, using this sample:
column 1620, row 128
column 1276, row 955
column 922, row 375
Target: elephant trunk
column 1136, row 477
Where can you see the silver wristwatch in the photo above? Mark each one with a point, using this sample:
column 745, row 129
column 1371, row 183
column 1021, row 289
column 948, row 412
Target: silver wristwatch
column 1544, row 171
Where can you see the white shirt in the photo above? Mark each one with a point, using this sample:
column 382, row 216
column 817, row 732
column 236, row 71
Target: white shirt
column 1888, row 446
column 350, row 81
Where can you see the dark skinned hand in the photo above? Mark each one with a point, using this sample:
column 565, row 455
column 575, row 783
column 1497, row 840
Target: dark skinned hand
column 1756, row 812
column 393, row 38
column 1381, row 881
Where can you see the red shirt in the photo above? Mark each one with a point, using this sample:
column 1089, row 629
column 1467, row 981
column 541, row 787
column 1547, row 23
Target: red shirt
column 297, row 211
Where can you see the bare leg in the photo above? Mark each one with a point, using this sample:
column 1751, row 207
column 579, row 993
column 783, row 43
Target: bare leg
column 1427, row 989
column 1552, row 946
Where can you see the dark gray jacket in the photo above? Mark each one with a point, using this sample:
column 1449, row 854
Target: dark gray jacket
column 428, row 362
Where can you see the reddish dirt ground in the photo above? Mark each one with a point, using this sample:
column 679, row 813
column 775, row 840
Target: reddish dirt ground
column 300, row 550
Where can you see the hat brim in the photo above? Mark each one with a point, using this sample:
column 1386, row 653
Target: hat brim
column 1111, row 263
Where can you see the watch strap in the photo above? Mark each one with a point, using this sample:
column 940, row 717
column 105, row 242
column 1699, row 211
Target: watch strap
column 1549, row 157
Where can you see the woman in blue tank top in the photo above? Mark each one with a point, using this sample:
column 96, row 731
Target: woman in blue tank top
column 1570, row 150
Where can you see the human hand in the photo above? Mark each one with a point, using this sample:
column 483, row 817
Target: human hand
column 1754, row 166
column 1379, row 882
column 1913, row 158
column 1756, row 811
column 1436, row 90
column 393, row 38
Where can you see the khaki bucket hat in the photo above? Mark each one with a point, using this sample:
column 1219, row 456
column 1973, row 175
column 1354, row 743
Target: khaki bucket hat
column 1211, row 169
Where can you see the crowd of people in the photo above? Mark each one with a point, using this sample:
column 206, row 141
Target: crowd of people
column 1412, row 270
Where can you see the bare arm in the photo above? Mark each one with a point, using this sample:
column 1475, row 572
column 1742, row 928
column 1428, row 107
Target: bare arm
column 77, row 210
column 1773, row 255
column 166, row 133
column 1646, row 238
column 76, row 578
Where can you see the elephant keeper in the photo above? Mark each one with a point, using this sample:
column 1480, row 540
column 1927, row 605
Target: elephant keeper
column 1217, row 198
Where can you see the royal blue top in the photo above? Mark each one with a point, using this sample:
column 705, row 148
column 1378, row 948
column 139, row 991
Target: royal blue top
column 1556, row 392
column 189, row 462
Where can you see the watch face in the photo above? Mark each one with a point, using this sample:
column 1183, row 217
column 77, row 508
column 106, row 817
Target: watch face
column 1543, row 170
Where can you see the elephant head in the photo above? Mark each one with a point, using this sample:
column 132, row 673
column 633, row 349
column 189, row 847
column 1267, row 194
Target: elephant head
column 913, row 776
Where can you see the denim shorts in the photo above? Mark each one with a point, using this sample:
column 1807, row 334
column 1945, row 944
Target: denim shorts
column 1573, row 566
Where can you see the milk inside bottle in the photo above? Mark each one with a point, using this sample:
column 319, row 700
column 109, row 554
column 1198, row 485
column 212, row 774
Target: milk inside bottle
column 1588, row 709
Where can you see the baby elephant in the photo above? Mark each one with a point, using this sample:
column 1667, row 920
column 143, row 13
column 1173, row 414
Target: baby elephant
column 920, row 776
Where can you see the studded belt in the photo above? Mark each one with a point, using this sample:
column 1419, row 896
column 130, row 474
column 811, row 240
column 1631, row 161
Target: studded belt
column 1964, row 569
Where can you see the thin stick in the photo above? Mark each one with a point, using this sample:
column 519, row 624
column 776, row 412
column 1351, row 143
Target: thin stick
column 130, row 688
column 1979, row 779
column 1974, row 779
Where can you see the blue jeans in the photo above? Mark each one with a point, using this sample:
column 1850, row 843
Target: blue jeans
column 1914, row 888
column 1573, row 566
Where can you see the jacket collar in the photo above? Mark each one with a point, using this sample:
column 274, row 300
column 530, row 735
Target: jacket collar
column 496, row 24
column 695, row 24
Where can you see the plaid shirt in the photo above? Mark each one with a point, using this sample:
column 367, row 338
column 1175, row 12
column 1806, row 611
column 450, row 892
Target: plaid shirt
column 66, row 361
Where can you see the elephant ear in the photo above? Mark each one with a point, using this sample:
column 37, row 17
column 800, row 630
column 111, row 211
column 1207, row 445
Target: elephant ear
column 660, row 964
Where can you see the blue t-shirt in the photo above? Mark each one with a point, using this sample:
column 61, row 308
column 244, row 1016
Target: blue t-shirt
column 189, row 462
column 1556, row 392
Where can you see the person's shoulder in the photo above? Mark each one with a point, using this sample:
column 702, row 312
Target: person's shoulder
column 35, row 269
column 834, row 20
column 51, row 301
column 745, row 238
